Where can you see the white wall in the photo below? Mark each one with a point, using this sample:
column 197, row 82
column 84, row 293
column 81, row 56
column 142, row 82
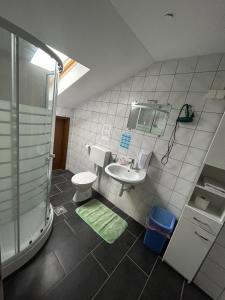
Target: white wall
column 91, row 32
column 177, row 82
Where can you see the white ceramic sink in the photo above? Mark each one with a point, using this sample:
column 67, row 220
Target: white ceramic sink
column 125, row 174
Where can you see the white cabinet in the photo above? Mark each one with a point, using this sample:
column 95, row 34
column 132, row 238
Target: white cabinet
column 188, row 247
column 216, row 155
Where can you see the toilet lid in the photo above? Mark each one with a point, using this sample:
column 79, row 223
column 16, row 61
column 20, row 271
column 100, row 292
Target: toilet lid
column 84, row 178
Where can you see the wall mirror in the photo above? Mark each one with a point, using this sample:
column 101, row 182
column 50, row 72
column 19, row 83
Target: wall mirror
column 148, row 117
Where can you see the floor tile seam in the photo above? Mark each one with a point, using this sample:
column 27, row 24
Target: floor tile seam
column 66, row 273
column 104, row 283
column 153, row 267
column 58, row 187
column 99, row 263
column 71, row 228
column 137, row 265
column 182, row 290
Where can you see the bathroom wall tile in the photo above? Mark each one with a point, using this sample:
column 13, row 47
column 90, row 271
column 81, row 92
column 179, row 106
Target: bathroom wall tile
column 202, row 81
column 184, row 135
column 178, row 152
column 173, row 166
column 214, row 272
column 148, row 143
column 209, row 122
column 161, row 97
column 182, row 82
column 189, row 172
column 135, row 97
column 150, row 83
column 195, row 156
column 168, row 180
column 187, row 65
column 124, row 97
column 168, row 67
column 154, row 69
column 146, row 96
column 161, row 146
column 121, row 110
column 119, row 122
column 164, row 83
column 219, row 81
column 208, row 62
column 183, row 187
column 138, row 84
column 112, row 108
column 197, row 100
column 214, row 105
column 178, row 200
column 174, row 210
column 115, row 96
column 177, row 99
column 154, row 173
column 162, row 195
column 201, row 139
column 127, row 84
column 156, row 160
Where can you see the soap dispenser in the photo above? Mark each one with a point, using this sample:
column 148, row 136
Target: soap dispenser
column 143, row 160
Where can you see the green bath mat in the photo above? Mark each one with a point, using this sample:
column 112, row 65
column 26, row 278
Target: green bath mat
column 102, row 220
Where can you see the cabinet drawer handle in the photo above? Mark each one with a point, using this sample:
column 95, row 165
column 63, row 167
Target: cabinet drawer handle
column 201, row 236
column 199, row 221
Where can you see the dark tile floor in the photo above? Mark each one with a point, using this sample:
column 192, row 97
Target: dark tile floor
column 77, row 264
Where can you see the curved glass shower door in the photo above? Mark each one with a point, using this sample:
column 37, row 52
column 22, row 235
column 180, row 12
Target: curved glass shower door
column 35, row 91
column 27, row 116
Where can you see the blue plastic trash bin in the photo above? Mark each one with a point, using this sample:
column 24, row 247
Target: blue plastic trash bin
column 159, row 228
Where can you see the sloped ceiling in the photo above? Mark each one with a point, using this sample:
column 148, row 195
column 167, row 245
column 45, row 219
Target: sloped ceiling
column 91, row 32
column 198, row 26
column 117, row 38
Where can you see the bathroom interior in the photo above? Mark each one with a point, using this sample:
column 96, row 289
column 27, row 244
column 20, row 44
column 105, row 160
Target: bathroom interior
column 112, row 149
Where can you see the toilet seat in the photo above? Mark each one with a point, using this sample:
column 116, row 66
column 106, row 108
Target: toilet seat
column 84, row 178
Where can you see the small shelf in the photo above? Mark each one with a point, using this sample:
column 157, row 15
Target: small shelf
column 211, row 212
column 201, row 186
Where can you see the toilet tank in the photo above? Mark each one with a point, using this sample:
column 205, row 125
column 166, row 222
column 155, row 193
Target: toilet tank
column 100, row 156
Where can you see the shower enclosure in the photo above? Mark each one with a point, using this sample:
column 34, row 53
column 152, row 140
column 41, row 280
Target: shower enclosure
column 27, row 111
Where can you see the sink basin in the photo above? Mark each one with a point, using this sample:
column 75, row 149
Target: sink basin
column 124, row 174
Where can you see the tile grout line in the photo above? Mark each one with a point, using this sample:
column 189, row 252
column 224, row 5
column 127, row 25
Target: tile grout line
column 148, row 277
column 137, row 265
column 100, row 265
column 104, row 283
column 182, row 289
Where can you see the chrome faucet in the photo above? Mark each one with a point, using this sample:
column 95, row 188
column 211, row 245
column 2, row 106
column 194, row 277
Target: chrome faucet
column 132, row 160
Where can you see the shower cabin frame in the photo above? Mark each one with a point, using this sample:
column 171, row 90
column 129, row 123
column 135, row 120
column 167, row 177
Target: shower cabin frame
column 22, row 256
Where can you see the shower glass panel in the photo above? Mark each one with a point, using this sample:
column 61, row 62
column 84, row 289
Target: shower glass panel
column 27, row 115
column 36, row 87
column 8, row 204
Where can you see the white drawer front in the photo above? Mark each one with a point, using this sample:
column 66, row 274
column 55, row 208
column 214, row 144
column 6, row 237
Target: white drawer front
column 201, row 220
column 188, row 247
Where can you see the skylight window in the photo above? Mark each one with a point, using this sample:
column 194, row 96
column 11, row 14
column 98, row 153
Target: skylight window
column 72, row 72
column 43, row 60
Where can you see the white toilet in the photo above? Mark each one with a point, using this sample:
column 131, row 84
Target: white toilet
column 83, row 181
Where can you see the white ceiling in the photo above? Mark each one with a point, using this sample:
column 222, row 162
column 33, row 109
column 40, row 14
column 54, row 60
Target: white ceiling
column 197, row 28
column 92, row 32
column 117, row 38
